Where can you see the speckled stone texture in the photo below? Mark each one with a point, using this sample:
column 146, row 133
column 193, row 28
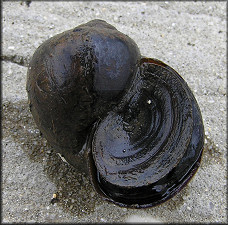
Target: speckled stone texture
column 188, row 36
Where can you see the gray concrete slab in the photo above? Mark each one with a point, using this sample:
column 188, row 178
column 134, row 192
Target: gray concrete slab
column 189, row 36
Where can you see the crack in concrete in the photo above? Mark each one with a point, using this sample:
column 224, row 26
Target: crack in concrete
column 20, row 60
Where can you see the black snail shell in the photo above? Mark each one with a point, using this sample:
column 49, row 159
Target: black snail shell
column 135, row 119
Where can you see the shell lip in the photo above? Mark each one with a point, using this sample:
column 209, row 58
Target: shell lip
column 106, row 196
column 148, row 203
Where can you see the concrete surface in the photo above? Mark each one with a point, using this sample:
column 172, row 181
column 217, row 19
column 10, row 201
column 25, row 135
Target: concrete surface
column 189, row 36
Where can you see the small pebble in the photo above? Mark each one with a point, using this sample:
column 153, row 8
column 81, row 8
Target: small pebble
column 54, row 196
column 11, row 47
column 211, row 205
column 115, row 18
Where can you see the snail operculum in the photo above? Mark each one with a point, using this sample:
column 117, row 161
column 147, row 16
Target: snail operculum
column 148, row 164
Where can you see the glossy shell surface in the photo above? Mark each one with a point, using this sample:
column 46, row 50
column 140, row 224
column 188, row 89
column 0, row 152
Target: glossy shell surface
column 76, row 77
column 134, row 119
column 150, row 145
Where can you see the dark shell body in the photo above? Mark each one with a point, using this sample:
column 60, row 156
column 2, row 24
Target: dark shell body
column 75, row 78
column 136, row 118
